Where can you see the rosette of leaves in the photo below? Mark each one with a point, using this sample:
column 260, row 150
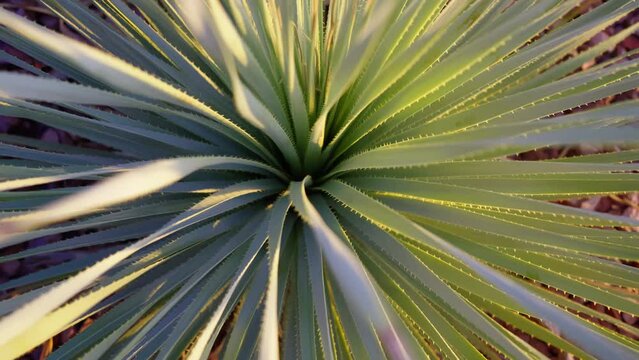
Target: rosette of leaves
column 287, row 180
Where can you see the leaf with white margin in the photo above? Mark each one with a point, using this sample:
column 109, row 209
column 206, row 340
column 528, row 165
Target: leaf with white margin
column 349, row 271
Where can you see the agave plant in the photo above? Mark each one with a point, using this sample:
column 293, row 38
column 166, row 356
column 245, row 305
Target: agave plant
column 283, row 179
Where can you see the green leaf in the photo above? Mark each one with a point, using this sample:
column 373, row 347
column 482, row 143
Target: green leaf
column 570, row 328
column 124, row 187
column 268, row 339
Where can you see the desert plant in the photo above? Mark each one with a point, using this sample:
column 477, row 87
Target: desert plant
column 284, row 179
